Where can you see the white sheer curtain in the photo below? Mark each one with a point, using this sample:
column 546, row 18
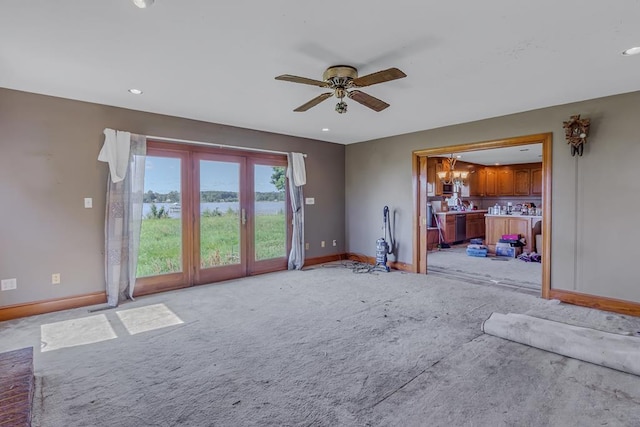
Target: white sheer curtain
column 296, row 174
column 125, row 154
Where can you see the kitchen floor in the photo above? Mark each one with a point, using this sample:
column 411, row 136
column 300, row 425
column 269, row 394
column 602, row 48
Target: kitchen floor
column 503, row 271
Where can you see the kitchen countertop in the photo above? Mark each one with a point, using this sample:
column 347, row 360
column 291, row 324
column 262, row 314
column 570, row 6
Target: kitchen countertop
column 517, row 215
column 484, row 211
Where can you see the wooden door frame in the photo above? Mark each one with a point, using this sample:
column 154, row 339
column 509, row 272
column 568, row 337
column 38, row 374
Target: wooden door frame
column 216, row 273
column 546, row 139
column 170, row 281
column 275, row 264
column 188, row 153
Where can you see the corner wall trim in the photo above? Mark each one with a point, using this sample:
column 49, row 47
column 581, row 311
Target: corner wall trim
column 597, row 302
column 48, row 306
column 323, row 259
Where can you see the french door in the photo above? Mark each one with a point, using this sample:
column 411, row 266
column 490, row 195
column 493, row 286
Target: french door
column 211, row 215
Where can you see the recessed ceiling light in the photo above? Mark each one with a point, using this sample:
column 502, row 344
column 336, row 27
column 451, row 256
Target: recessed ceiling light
column 325, row 129
column 497, row 164
column 135, row 91
column 632, row 51
column 143, row 3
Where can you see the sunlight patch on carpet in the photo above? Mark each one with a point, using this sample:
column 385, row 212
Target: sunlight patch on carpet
column 75, row 332
column 148, row 318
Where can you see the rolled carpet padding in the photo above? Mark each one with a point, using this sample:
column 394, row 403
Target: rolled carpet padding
column 614, row 351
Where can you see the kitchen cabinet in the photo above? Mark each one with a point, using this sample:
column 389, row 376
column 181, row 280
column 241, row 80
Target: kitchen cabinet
column 433, row 238
column 448, row 226
column 512, row 180
column 465, row 189
column 475, row 225
column 536, row 181
column 498, row 225
column 474, row 221
column 434, row 185
column 449, row 231
column 431, row 177
column 521, row 226
column 522, row 182
column 505, row 182
column 477, row 182
column 491, row 183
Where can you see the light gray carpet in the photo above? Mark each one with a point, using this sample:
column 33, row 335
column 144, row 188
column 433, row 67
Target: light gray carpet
column 323, row 347
column 499, row 270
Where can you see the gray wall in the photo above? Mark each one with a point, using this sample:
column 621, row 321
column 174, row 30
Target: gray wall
column 48, row 152
column 595, row 198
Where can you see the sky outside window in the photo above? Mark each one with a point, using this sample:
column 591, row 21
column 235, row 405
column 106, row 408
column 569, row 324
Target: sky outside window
column 162, row 175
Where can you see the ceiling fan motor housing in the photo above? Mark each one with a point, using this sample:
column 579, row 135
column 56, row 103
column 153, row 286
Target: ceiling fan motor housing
column 340, row 75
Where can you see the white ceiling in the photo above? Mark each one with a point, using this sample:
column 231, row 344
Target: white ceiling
column 531, row 153
column 216, row 60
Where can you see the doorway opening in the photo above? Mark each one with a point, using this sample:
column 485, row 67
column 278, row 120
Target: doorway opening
column 526, row 183
column 209, row 215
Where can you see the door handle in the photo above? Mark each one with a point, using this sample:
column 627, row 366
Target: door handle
column 244, row 216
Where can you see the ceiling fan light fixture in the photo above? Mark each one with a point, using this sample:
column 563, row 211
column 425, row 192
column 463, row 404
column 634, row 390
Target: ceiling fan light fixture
column 143, row 4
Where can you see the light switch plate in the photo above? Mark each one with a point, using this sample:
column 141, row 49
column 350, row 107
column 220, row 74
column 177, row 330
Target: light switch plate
column 88, row 202
column 310, row 201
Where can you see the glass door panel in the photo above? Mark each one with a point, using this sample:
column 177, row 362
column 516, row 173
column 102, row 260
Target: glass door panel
column 268, row 219
column 161, row 231
column 220, row 211
column 211, row 215
column 270, row 227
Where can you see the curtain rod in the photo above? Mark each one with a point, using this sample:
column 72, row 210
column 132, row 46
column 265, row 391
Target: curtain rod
column 214, row 144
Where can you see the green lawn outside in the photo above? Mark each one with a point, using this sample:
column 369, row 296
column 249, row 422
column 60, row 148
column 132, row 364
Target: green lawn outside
column 160, row 242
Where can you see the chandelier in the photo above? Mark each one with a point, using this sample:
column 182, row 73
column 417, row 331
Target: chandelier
column 452, row 176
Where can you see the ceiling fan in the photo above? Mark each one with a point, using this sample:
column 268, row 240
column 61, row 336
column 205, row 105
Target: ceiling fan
column 342, row 79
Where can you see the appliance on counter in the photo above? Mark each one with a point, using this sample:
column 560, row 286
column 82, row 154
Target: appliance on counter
column 461, row 227
column 447, row 189
column 454, row 202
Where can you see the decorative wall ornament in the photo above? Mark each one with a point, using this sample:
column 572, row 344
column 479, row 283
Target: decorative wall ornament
column 576, row 131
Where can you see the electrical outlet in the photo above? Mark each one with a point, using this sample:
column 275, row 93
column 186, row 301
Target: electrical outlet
column 55, row 279
column 8, row 284
column 306, row 246
column 322, row 244
column 88, row 202
column 334, row 243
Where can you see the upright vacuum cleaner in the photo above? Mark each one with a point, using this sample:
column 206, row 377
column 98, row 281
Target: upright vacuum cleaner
column 382, row 247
